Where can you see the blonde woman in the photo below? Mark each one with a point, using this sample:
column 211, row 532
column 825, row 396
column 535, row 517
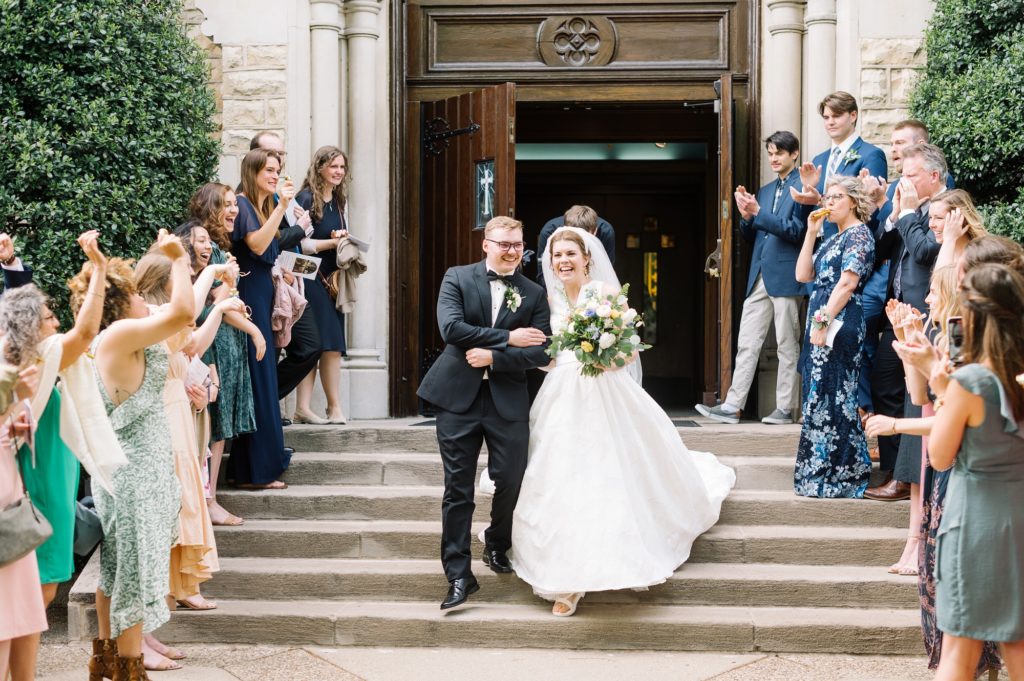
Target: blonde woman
column 955, row 222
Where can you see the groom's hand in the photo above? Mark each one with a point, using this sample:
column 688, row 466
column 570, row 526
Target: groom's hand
column 479, row 358
column 526, row 337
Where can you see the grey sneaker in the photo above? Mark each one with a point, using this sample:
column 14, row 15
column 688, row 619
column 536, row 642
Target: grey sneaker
column 779, row 417
column 716, row 413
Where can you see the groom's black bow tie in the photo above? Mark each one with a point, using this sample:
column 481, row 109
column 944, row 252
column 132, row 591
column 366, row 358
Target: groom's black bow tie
column 505, row 279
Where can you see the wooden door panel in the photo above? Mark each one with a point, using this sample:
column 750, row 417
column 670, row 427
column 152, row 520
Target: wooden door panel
column 449, row 235
column 725, row 213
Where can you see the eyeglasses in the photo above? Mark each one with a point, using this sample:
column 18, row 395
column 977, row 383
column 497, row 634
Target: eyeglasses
column 833, row 197
column 508, row 245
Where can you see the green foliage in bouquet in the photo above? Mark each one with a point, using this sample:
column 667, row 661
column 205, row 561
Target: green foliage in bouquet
column 107, row 123
column 601, row 333
column 972, row 98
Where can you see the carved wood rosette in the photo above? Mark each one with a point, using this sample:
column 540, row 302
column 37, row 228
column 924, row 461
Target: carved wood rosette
column 577, row 41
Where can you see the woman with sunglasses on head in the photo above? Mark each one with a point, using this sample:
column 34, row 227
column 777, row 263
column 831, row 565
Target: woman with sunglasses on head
column 259, row 458
column 213, row 211
column 832, row 456
column 323, row 196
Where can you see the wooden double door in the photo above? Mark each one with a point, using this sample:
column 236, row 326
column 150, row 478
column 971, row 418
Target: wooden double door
column 461, row 168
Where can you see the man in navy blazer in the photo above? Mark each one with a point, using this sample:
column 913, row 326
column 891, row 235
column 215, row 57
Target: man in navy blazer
column 848, row 155
column 773, row 222
column 16, row 273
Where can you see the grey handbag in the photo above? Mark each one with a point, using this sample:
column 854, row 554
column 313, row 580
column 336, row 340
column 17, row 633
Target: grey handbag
column 88, row 528
column 22, row 529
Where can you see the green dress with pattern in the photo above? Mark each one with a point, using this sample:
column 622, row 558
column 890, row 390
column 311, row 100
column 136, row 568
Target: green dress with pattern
column 233, row 413
column 140, row 522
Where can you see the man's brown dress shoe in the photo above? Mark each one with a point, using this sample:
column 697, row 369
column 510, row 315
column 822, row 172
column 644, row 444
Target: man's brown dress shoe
column 894, row 490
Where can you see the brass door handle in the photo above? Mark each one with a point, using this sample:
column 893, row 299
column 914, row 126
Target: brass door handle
column 713, row 263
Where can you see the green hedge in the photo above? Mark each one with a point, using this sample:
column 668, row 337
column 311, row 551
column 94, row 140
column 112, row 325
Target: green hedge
column 107, row 123
column 972, row 98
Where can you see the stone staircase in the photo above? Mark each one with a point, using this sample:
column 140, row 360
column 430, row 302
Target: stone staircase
column 348, row 555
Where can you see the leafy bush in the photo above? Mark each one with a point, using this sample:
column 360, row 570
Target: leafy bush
column 972, row 98
column 106, row 122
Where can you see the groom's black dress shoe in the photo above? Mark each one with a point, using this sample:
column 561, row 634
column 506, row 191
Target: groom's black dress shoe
column 459, row 590
column 497, row 560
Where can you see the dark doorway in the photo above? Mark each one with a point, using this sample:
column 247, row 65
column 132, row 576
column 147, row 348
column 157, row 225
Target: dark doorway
column 651, row 173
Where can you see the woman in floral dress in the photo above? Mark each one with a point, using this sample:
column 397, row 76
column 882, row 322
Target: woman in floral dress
column 832, row 458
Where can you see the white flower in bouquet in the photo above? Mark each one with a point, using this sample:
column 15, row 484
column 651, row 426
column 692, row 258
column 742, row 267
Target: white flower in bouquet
column 629, row 315
column 634, row 340
column 604, row 310
column 607, row 340
column 592, row 304
column 621, row 300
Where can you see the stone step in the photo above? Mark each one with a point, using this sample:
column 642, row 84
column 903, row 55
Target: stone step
column 414, row 502
column 713, row 584
column 844, row 545
column 406, row 468
column 400, row 435
column 595, row 627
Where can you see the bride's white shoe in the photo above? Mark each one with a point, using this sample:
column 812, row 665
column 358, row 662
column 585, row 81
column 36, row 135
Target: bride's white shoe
column 569, row 601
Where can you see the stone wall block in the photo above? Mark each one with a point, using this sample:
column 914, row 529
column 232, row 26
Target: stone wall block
column 233, row 56
column 902, row 83
column 874, row 86
column 215, row 71
column 243, row 113
column 892, row 51
column 877, row 124
column 236, row 141
column 267, row 56
column 255, row 83
column 277, row 112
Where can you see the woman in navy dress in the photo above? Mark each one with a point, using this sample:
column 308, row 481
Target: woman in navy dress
column 323, row 195
column 832, row 458
column 258, row 459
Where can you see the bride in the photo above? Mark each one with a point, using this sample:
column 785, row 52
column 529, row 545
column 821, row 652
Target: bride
column 611, row 499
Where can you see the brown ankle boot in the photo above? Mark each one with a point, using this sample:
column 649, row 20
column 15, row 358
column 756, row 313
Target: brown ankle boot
column 103, row 660
column 130, row 669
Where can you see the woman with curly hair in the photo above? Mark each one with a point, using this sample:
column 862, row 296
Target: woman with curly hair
column 832, row 457
column 207, row 236
column 31, row 337
column 140, row 517
column 259, row 458
column 323, row 195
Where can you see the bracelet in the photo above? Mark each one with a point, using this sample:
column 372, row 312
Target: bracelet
column 821, row 318
column 893, row 425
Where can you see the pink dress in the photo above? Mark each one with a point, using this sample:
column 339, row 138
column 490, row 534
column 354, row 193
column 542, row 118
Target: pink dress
column 22, row 612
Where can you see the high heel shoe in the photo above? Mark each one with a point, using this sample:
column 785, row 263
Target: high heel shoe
column 103, row 660
column 309, row 417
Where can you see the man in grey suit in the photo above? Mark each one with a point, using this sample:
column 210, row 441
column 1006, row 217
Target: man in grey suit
column 773, row 221
column 495, row 323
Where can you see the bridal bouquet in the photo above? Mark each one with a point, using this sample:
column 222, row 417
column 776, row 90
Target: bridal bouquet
column 601, row 332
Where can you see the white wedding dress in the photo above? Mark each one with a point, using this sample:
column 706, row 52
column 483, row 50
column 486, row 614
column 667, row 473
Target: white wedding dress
column 611, row 498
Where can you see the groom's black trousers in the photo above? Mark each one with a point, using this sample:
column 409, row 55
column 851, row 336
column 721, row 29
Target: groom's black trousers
column 459, row 437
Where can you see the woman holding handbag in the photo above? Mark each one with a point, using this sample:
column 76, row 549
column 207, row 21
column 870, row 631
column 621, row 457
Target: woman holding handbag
column 23, row 613
column 323, row 196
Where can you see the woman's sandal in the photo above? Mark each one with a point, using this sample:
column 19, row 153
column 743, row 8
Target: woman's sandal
column 908, row 571
column 570, row 601
column 189, row 605
column 276, row 484
column 166, row 664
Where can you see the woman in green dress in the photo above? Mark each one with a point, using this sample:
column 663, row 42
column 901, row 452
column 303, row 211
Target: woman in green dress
column 207, row 235
column 979, row 572
column 31, row 337
column 140, row 517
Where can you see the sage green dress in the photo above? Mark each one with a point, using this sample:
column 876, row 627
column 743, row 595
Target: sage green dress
column 979, row 575
column 52, row 484
column 141, row 521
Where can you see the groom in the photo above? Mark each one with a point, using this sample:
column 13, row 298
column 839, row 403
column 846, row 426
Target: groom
column 495, row 323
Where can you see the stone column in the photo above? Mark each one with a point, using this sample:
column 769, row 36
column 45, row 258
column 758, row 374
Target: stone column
column 783, row 70
column 325, row 63
column 819, row 70
column 848, row 46
column 366, row 370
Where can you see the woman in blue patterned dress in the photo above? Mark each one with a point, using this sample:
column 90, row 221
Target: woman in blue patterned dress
column 832, row 458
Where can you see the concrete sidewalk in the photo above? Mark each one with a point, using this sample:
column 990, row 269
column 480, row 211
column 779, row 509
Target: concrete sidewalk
column 67, row 662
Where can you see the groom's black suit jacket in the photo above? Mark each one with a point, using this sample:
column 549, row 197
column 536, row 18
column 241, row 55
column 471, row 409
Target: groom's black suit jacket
column 464, row 317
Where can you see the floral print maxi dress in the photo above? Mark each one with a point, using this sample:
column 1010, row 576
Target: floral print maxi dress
column 832, row 458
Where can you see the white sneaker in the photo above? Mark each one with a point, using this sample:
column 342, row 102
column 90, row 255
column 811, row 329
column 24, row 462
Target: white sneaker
column 718, row 413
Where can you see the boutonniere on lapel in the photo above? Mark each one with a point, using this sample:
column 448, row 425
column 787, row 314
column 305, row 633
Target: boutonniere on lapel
column 851, row 156
column 513, row 298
